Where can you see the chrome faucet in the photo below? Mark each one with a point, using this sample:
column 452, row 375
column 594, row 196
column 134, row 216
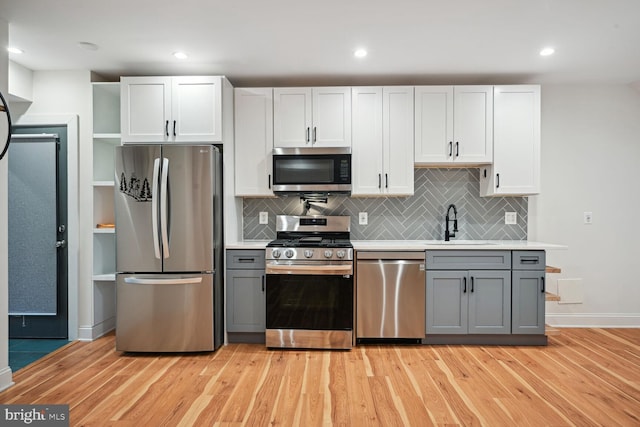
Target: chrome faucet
column 447, row 233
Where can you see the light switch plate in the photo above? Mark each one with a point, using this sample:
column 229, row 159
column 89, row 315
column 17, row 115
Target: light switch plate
column 363, row 218
column 510, row 218
column 264, row 218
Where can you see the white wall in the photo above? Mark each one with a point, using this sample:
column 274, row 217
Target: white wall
column 5, row 371
column 20, row 82
column 590, row 161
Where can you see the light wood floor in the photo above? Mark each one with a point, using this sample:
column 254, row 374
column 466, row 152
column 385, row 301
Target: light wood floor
column 584, row 377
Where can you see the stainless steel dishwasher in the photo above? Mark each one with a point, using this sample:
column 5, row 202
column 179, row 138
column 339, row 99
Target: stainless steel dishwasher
column 390, row 295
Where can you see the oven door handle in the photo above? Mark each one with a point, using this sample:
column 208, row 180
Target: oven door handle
column 337, row 270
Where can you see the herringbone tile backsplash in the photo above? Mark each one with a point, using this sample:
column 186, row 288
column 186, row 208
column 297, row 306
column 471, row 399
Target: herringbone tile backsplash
column 419, row 217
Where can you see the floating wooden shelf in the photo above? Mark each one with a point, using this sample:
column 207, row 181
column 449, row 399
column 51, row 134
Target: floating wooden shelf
column 551, row 269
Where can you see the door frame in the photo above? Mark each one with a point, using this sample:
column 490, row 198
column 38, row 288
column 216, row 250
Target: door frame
column 73, row 229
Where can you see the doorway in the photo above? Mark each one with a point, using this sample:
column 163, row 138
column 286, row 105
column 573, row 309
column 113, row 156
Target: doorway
column 38, row 250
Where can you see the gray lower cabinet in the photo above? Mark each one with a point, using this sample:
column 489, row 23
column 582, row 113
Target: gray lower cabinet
column 245, row 287
column 468, row 302
column 528, row 286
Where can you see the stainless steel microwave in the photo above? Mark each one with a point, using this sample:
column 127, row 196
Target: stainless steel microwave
column 312, row 170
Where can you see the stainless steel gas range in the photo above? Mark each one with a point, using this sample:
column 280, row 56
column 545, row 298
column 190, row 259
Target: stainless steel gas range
column 309, row 290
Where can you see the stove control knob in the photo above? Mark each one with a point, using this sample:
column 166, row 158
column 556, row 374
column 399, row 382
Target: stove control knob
column 341, row 254
column 308, row 253
column 276, row 253
column 327, row 254
column 289, row 253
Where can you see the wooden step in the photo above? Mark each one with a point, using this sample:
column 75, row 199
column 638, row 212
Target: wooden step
column 548, row 296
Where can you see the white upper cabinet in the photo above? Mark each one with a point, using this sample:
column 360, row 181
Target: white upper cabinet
column 312, row 117
column 253, row 141
column 171, row 109
column 453, row 124
column 382, row 151
column 516, row 143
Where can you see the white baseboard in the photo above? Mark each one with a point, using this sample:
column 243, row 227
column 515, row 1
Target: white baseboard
column 593, row 320
column 6, row 378
column 90, row 333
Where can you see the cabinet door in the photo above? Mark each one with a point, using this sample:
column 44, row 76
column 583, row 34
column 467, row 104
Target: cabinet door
column 331, row 117
column 528, row 302
column 245, row 301
column 145, row 109
column 516, row 142
column 367, row 141
column 253, row 141
column 489, row 302
column 473, row 124
column 433, row 124
column 196, row 109
column 397, row 124
column 292, row 117
column 447, row 302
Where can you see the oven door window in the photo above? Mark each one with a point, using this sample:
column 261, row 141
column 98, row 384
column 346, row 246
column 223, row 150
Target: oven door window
column 309, row 302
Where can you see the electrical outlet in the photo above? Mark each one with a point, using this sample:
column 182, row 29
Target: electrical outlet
column 588, row 217
column 363, row 218
column 264, row 218
column 510, row 218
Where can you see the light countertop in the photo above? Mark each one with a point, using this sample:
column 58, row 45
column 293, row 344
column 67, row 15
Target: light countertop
column 421, row 245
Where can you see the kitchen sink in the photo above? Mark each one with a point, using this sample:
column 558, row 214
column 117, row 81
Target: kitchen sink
column 459, row 242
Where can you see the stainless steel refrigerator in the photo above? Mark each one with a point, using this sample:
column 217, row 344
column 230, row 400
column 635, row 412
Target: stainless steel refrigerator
column 168, row 203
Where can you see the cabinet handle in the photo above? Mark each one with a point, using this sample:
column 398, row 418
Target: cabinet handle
column 166, row 127
column 174, row 128
column 379, row 180
column 386, row 180
column 533, row 260
column 543, row 286
column 450, row 148
column 497, row 180
column 246, row 260
column 263, row 276
column 315, row 134
column 457, row 149
column 269, row 181
column 308, row 130
column 464, row 290
column 471, row 283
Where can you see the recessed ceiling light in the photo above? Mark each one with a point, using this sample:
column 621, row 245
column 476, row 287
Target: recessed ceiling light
column 14, row 50
column 180, row 55
column 547, row 51
column 88, row 46
column 360, row 53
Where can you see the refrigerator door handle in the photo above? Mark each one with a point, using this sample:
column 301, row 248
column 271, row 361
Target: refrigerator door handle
column 138, row 281
column 164, row 229
column 154, row 207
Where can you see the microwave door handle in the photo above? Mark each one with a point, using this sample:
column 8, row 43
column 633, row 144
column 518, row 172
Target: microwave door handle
column 164, row 207
column 154, row 208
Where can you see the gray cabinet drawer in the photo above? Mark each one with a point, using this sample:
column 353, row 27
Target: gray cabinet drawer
column 528, row 260
column 468, row 260
column 242, row 259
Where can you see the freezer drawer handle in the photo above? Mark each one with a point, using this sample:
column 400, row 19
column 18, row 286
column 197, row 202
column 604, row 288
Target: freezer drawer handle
column 187, row 281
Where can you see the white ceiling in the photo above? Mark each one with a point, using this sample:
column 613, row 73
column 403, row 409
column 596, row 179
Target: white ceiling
column 256, row 42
